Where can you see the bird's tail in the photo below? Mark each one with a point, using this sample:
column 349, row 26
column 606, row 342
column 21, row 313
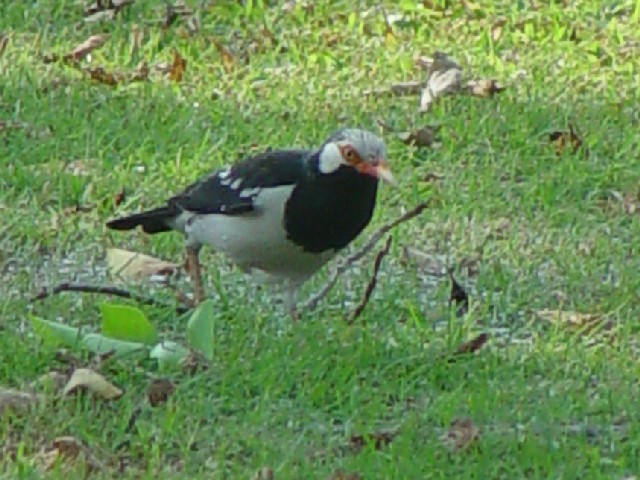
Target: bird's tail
column 152, row 221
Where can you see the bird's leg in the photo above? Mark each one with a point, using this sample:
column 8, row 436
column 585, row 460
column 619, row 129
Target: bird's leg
column 193, row 267
column 291, row 297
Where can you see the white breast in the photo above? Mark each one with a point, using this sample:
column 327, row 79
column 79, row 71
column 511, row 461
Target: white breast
column 258, row 240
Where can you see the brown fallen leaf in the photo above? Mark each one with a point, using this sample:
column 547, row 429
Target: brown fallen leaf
column 444, row 79
column 563, row 139
column 16, row 401
column 86, row 47
column 470, row 346
column 461, row 434
column 228, row 59
column 421, row 137
column 484, row 88
column 99, row 74
column 85, row 379
column 159, row 391
column 178, row 67
column 71, row 454
column 132, row 266
column 264, row 473
column 458, row 297
column 120, row 197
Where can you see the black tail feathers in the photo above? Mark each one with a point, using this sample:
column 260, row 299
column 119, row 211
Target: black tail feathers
column 151, row 221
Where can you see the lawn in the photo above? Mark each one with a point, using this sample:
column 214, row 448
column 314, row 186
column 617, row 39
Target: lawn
column 534, row 206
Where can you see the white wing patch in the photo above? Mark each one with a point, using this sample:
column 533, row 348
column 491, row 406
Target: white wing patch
column 249, row 192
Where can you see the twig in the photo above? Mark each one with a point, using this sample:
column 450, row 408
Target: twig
column 116, row 292
column 358, row 254
column 373, row 282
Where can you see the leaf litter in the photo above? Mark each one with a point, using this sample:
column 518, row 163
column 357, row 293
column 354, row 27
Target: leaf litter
column 85, row 379
column 125, row 265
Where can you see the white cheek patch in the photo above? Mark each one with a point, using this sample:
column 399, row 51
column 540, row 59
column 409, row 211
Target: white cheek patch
column 330, row 159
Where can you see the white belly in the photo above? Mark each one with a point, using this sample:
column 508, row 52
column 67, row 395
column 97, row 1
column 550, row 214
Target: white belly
column 257, row 240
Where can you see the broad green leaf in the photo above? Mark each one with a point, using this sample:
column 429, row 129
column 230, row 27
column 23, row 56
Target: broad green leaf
column 169, row 354
column 124, row 322
column 54, row 332
column 200, row 329
column 100, row 344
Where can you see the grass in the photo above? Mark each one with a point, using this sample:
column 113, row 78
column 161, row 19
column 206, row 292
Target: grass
column 546, row 229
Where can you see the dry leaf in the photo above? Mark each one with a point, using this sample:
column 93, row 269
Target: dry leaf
column 422, row 137
column 86, row 47
column 471, row 346
column 178, row 67
column 69, row 452
column 89, row 380
column 462, row 433
column 228, row 59
column 120, row 197
column 17, row 401
column 265, row 473
column 444, row 78
column 561, row 140
column 159, row 391
column 132, row 266
column 484, row 88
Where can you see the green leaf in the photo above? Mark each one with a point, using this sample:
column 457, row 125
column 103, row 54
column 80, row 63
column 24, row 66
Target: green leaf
column 55, row 333
column 124, row 322
column 169, row 354
column 100, row 344
column 200, row 329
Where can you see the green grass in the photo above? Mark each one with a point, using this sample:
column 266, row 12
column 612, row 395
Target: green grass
column 547, row 404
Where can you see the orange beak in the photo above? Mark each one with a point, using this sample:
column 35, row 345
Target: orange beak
column 379, row 169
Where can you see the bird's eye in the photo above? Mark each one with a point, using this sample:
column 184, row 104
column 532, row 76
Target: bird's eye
column 350, row 155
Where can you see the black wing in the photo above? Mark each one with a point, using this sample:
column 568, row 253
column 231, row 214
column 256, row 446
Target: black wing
column 232, row 191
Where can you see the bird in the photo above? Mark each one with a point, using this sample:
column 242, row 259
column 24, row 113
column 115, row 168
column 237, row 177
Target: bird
column 281, row 214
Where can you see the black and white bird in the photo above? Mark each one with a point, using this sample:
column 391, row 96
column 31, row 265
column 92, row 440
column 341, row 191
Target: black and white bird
column 282, row 214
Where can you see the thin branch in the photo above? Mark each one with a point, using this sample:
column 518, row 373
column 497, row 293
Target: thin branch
column 114, row 291
column 373, row 282
column 358, row 254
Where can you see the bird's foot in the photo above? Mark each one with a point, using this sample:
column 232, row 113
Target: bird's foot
column 192, row 264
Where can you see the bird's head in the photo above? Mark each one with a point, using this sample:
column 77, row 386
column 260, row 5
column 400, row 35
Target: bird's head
column 357, row 149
